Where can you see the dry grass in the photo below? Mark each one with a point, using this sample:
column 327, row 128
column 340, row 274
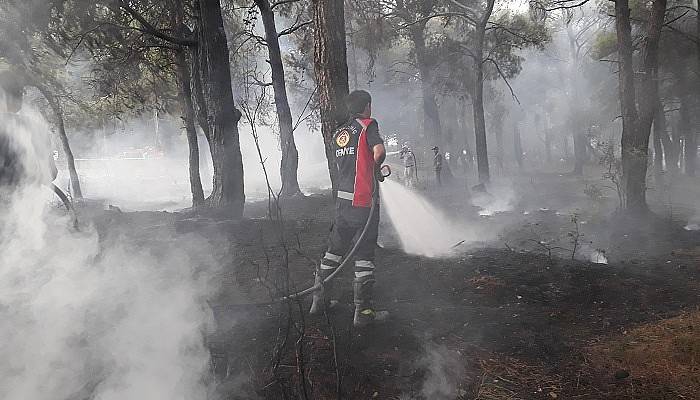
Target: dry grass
column 508, row 378
column 661, row 358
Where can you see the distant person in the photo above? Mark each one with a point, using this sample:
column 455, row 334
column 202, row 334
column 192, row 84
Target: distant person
column 410, row 172
column 437, row 164
column 359, row 152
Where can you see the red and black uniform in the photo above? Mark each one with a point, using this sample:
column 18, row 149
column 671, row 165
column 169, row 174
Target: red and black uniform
column 353, row 144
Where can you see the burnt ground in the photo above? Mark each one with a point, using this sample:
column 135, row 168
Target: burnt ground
column 502, row 319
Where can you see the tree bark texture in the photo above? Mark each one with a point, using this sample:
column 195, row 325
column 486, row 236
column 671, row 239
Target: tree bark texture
column 222, row 115
column 648, row 104
column 482, row 154
column 633, row 157
column 431, row 116
column 185, row 94
column 290, row 155
column 331, row 71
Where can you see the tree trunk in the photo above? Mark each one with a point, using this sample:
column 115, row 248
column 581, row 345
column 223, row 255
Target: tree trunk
column 498, row 131
column 188, row 114
column 693, row 142
column 658, row 151
column 74, row 180
column 673, row 155
column 185, row 94
column 331, row 72
column 690, row 140
column 670, row 160
column 574, row 117
column 579, row 151
column 431, row 115
column 482, row 154
column 290, row 156
column 517, row 146
column 636, row 148
column 548, row 144
column 196, row 79
column 57, row 109
column 632, row 158
column 222, row 114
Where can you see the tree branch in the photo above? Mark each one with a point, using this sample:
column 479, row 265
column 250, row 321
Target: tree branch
column 149, row 28
column 503, row 76
column 293, row 29
column 282, row 2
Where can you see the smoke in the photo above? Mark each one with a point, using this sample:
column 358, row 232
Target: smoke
column 143, row 165
column 91, row 317
column 444, row 371
column 693, row 223
column 422, row 229
column 499, row 198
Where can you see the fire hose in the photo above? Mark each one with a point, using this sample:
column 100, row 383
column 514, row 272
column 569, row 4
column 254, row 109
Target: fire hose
column 66, row 201
column 381, row 175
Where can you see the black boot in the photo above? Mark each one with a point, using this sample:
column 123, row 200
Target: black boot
column 322, row 298
column 365, row 313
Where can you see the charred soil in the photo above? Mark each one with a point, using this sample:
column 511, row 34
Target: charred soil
column 493, row 322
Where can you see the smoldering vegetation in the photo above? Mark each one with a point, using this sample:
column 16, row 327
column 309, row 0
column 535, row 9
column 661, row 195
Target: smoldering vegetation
column 86, row 316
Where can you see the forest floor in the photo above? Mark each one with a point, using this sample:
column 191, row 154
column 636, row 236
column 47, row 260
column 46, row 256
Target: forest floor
column 511, row 316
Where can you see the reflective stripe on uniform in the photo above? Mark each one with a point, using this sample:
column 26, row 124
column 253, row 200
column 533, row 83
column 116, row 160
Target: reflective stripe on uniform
column 325, row 266
column 332, row 257
column 345, row 195
column 363, row 265
column 330, row 261
column 362, row 274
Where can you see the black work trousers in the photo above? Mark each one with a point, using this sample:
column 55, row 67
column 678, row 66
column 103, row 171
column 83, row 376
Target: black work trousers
column 347, row 227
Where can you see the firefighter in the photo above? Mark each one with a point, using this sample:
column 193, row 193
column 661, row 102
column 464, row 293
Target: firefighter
column 359, row 152
column 437, row 164
column 409, row 166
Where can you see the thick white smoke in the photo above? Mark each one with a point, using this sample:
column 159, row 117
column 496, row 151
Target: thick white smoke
column 90, row 318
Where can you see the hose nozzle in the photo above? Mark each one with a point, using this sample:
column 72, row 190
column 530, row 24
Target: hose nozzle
column 383, row 172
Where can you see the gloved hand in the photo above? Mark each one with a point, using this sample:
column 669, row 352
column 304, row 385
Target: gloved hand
column 382, row 172
column 378, row 174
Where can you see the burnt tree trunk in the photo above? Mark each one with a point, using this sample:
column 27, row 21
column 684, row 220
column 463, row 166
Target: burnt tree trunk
column 638, row 147
column 431, row 116
column 182, row 72
column 198, row 104
column 331, row 72
column 222, row 114
column 482, row 154
column 185, row 95
column 290, row 155
column 635, row 131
